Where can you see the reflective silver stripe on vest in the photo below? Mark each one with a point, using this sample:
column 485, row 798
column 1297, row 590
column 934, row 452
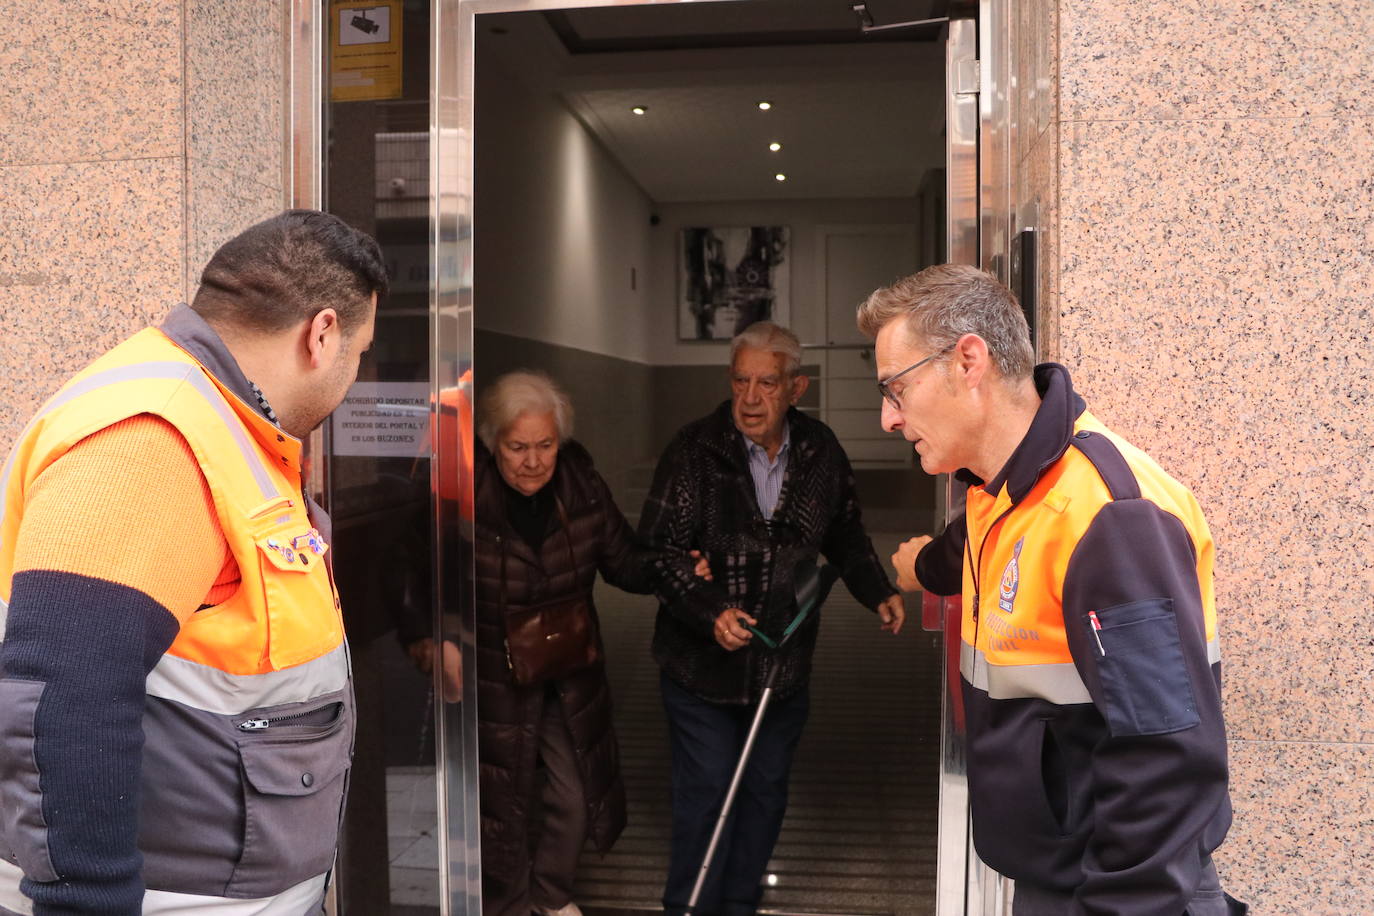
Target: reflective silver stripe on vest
column 202, row 687
column 1058, row 683
column 156, row 370
column 303, row 898
column 212, row 394
column 4, row 616
column 172, row 370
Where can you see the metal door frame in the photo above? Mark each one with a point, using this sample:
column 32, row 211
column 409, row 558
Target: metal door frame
column 964, row 887
column 964, row 884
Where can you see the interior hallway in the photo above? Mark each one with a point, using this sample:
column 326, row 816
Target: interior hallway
column 860, row 833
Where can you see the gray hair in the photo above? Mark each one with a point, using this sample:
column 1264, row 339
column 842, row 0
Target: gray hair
column 773, row 338
column 515, row 393
column 943, row 303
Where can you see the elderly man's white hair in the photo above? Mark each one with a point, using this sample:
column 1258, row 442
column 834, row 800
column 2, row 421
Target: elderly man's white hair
column 774, row 338
column 515, row 393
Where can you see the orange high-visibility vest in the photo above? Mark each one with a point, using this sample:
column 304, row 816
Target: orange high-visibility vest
column 271, row 653
column 286, row 612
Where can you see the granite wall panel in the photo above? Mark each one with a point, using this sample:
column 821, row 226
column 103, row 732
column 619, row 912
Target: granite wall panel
column 1215, row 309
column 151, row 132
column 1034, row 94
column 89, row 253
column 1143, row 59
column 1303, row 815
column 1216, row 238
column 235, row 85
column 89, row 80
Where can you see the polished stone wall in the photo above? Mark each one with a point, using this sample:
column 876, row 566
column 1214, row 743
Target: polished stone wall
column 1209, row 167
column 138, row 135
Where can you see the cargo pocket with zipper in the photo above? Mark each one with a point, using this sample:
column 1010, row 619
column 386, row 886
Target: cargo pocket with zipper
column 294, row 760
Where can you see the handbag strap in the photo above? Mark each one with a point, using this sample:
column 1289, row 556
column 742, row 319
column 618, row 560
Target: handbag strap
column 567, row 533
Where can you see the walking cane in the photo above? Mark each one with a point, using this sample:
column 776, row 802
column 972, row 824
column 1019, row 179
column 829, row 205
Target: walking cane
column 811, row 584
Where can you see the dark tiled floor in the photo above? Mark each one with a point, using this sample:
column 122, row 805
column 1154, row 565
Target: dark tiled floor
column 860, row 833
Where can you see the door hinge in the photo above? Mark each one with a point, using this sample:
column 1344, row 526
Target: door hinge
column 966, row 76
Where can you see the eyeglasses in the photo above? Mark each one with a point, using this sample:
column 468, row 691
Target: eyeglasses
column 887, row 392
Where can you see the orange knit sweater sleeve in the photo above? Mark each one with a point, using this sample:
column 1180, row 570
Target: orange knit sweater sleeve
column 130, row 505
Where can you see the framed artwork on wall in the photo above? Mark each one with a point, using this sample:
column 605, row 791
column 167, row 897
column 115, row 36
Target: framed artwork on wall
column 729, row 277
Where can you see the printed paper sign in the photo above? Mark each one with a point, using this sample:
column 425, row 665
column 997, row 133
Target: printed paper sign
column 383, row 419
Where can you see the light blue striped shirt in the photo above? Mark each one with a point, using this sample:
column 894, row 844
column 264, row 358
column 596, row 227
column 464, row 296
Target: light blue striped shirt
column 767, row 474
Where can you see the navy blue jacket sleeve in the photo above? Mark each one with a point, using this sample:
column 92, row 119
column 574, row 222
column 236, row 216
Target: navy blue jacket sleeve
column 77, row 650
column 940, row 564
column 1134, row 620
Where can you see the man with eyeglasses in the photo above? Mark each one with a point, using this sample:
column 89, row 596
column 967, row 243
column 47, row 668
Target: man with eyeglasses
column 1089, row 658
column 761, row 489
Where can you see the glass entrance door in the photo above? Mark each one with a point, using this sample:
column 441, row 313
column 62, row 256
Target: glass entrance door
column 377, row 465
column 399, row 112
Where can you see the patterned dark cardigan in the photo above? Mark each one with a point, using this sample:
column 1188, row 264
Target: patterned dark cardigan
column 703, row 498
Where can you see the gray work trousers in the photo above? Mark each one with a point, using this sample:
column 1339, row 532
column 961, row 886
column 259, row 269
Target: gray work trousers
column 546, row 880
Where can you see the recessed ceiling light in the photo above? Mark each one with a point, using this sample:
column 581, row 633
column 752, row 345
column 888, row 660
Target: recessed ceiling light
column 775, row 146
column 780, row 177
column 639, row 109
column 764, row 106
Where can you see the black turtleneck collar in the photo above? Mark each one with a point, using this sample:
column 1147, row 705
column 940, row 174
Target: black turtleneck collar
column 529, row 515
column 1048, row 436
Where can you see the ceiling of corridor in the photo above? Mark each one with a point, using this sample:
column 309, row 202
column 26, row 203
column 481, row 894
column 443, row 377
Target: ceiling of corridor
column 854, row 117
column 753, row 24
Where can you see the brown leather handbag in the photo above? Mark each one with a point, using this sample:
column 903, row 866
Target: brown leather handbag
column 552, row 639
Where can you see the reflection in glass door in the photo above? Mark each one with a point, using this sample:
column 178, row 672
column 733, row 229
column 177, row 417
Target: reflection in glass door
column 377, row 467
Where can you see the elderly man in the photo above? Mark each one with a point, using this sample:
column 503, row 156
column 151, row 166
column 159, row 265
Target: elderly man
column 1091, row 670
column 176, row 716
column 759, row 488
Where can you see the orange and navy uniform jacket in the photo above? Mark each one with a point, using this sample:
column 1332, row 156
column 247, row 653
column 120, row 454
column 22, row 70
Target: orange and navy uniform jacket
column 175, row 703
column 1090, row 667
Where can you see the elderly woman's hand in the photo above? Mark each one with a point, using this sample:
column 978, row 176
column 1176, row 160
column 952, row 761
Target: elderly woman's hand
column 703, row 567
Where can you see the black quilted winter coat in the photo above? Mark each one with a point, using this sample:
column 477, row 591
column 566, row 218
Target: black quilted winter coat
column 703, row 498
column 508, row 714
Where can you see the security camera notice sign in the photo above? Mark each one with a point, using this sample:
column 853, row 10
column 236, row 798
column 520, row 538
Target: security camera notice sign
column 383, row 420
column 364, row 50
column 365, row 25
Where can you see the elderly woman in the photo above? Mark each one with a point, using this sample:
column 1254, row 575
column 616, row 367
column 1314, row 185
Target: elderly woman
column 545, row 525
